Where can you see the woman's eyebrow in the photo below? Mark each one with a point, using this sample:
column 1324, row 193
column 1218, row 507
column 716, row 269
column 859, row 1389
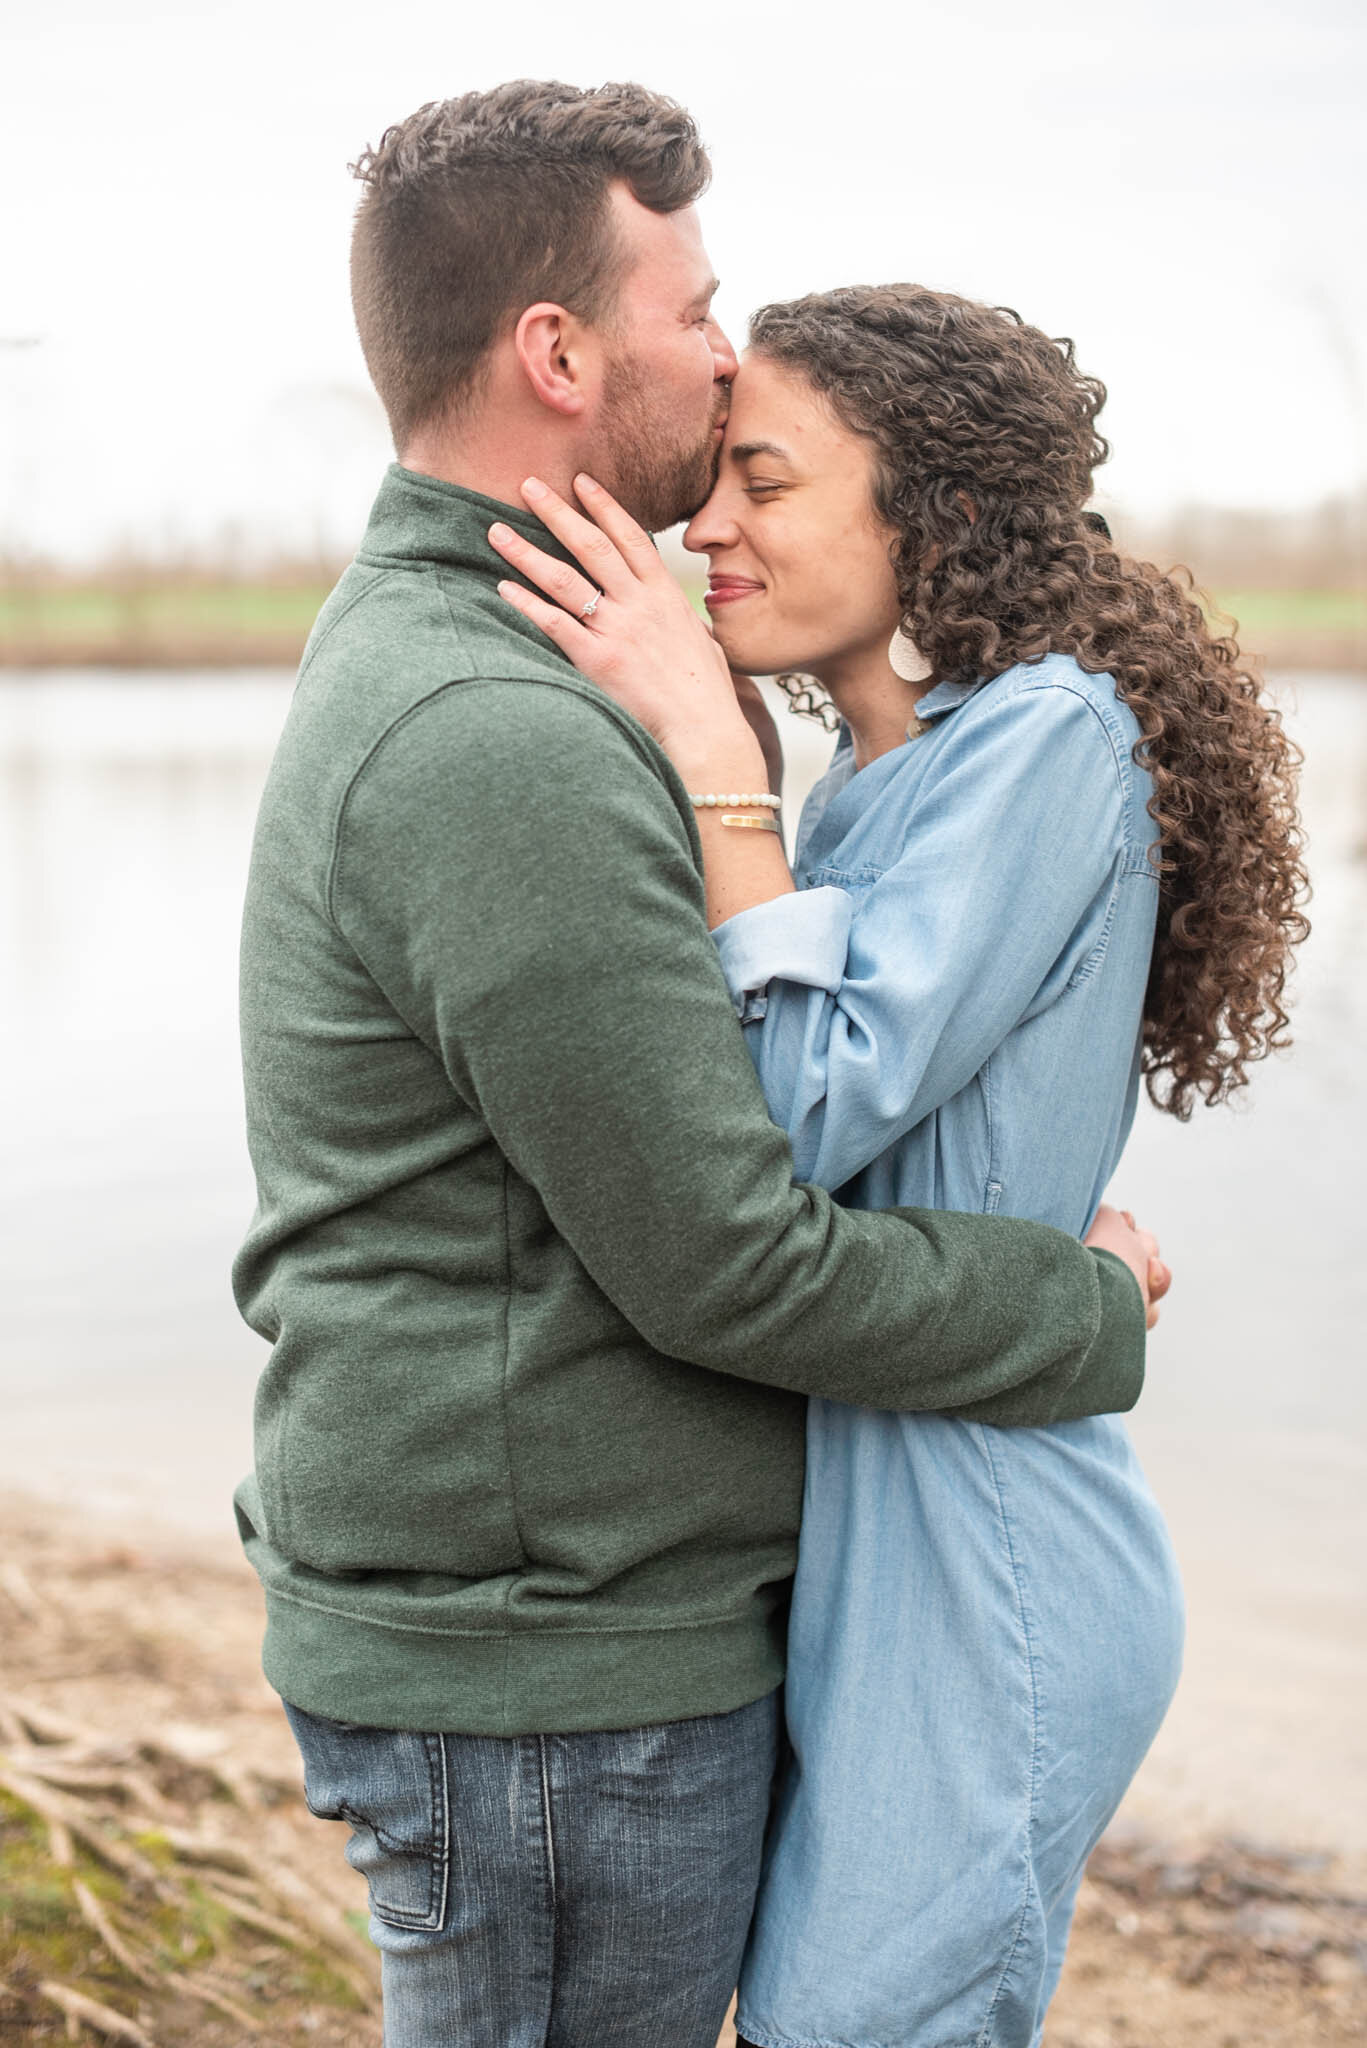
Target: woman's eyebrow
column 743, row 450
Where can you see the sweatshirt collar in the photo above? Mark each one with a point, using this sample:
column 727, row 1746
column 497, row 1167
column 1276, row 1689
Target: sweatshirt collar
column 422, row 520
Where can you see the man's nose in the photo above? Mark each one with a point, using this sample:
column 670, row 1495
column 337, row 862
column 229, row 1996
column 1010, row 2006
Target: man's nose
column 727, row 361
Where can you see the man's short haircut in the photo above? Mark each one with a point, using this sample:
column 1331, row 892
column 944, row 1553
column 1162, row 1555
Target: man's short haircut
column 478, row 207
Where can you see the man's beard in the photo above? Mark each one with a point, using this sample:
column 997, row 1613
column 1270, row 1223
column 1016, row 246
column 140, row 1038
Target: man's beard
column 659, row 477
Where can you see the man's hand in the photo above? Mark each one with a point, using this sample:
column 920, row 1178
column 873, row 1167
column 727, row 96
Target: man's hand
column 1115, row 1230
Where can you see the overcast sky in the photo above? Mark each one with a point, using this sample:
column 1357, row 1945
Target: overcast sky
column 1178, row 186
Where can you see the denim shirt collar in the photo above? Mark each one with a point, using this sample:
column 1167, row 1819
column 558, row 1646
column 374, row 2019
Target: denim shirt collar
column 947, row 697
column 833, row 803
column 936, row 704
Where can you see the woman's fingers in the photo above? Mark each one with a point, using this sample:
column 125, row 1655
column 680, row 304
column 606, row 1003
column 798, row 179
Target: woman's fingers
column 631, row 540
column 597, row 556
column 614, row 556
column 569, row 587
column 555, row 622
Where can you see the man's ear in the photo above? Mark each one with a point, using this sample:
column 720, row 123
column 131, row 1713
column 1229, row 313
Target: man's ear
column 551, row 353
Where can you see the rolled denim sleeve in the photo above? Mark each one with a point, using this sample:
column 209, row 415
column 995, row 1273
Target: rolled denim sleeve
column 804, row 938
column 1000, row 881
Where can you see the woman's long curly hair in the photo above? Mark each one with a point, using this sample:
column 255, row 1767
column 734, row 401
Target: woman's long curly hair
column 985, row 434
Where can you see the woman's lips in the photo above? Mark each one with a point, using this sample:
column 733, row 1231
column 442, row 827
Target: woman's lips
column 728, row 589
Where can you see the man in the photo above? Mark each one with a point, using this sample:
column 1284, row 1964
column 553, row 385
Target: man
column 543, row 1299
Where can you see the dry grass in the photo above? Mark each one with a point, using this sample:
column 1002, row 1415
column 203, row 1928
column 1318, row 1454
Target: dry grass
column 145, row 621
column 160, row 1879
column 143, row 618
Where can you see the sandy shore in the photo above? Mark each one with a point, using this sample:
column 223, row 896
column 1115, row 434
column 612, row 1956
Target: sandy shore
column 130, row 1679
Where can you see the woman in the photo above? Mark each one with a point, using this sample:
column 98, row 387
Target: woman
column 1057, row 847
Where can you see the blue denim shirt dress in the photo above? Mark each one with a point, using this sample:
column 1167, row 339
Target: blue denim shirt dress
column 986, row 1623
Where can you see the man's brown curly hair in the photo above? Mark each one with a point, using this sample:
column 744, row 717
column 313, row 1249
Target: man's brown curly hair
column 986, row 440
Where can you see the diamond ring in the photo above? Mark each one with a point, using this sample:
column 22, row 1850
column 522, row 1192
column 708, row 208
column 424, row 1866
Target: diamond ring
column 587, row 611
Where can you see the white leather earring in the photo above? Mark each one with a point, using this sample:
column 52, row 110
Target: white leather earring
column 907, row 660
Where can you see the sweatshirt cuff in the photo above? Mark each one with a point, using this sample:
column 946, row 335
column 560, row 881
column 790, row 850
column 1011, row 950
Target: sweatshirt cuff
column 804, row 938
column 1112, row 1376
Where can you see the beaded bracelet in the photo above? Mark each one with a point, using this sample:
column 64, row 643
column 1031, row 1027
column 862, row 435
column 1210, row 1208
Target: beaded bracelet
column 763, row 798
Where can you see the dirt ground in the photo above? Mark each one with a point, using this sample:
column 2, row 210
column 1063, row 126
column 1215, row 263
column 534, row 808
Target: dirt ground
column 162, row 1884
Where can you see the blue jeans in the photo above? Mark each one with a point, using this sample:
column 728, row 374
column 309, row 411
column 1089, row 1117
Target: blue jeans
column 553, row 1891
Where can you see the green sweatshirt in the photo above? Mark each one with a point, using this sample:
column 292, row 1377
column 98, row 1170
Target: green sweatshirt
column 542, row 1297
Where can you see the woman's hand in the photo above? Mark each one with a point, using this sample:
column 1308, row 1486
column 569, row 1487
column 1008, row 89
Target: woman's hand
column 760, row 720
column 623, row 621
column 1115, row 1230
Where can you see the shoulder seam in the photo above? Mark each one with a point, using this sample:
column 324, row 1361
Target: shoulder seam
column 1120, row 753
column 316, row 648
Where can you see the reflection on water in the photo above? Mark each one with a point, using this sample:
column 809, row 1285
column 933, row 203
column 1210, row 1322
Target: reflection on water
column 126, row 809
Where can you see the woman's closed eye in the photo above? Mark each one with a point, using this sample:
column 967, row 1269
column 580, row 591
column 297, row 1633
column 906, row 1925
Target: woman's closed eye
column 762, row 488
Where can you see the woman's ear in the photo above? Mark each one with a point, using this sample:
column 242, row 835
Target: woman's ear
column 549, row 344
column 970, row 510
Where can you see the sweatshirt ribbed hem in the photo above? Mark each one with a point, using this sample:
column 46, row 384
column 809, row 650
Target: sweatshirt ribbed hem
column 522, row 1682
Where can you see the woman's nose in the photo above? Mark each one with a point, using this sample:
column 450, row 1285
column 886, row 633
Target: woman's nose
column 712, row 527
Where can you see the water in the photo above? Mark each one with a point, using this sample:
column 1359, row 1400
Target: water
column 126, row 808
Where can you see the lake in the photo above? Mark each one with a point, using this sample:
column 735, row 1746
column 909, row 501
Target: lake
column 126, row 809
